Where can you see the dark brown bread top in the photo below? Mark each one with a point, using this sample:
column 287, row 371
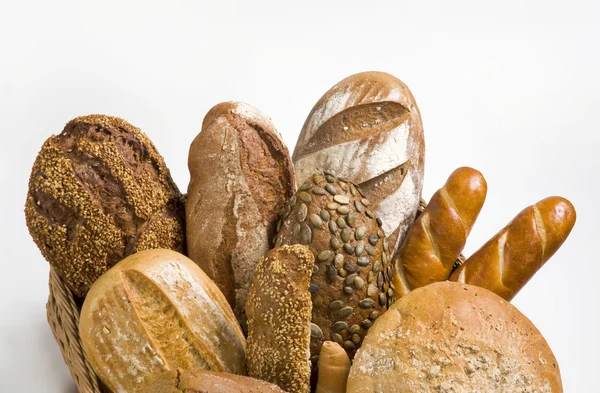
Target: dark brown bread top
column 279, row 313
column 240, row 176
column 351, row 281
column 100, row 191
column 450, row 337
column 202, row 381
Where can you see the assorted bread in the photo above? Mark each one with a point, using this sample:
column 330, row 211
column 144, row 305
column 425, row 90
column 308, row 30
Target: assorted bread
column 368, row 129
column 153, row 312
column 307, row 275
column 240, row 177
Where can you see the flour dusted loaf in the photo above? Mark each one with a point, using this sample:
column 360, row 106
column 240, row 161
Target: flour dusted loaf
column 202, row 381
column 368, row 130
column 100, row 191
column 451, row 337
column 153, row 312
column 240, row 176
column 351, row 282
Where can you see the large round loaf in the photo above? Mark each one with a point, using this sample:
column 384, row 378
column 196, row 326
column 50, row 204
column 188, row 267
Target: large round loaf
column 153, row 312
column 368, row 129
column 450, row 337
column 240, row 177
column 100, row 191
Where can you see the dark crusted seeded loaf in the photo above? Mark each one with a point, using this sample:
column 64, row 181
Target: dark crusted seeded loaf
column 351, row 281
column 98, row 192
column 240, row 176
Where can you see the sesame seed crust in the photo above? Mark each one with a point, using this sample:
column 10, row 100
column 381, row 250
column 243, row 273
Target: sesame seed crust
column 100, row 191
column 279, row 313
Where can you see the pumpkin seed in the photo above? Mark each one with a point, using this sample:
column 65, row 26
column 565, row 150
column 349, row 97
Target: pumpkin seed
column 305, row 196
column 341, row 199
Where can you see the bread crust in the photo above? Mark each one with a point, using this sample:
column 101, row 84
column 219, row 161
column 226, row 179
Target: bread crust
column 279, row 313
column 98, row 192
column 438, row 236
column 240, row 176
column 368, row 129
column 509, row 260
column 157, row 311
column 451, row 337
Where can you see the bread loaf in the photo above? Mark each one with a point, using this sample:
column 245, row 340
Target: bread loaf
column 100, row 191
column 508, row 261
column 438, row 236
column 202, row 381
column 451, row 337
column 350, row 285
column 240, row 177
column 153, row 312
column 279, row 312
column 367, row 129
column 334, row 366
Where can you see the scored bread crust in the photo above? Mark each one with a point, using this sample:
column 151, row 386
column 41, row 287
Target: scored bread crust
column 98, row 192
column 451, row 337
column 279, row 313
column 368, row 129
column 240, row 176
column 157, row 311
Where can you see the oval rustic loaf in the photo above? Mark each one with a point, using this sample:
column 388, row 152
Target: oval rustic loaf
column 368, row 129
column 451, row 337
column 351, row 281
column 153, row 312
column 100, row 191
column 240, row 176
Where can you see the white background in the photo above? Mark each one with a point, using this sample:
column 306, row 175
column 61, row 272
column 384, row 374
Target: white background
column 510, row 88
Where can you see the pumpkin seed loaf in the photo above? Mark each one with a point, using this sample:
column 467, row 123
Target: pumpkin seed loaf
column 240, row 176
column 351, row 282
column 100, row 191
column 279, row 313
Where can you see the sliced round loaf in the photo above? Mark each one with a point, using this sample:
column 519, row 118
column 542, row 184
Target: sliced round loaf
column 367, row 129
column 451, row 337
column 153, row 312
column 351, row 281
column 100, row 191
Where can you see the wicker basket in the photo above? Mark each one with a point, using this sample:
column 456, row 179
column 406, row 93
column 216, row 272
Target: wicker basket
column 62, row 311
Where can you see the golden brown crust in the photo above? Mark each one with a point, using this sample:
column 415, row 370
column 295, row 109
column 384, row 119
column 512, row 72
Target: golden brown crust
column 100, row 191
column 451, row 337
column 510, row 259
column 202, row 381
column 157, row 311
column 368, row 129
column 438, row 235
column 279, row 312
column 351, row 283
column 240, row 177
column 334, row 366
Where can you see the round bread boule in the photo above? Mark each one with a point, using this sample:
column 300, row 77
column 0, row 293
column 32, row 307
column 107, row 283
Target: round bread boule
column 98, row 192
column 450, row 337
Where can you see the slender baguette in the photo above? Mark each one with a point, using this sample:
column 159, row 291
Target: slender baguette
column 438, row 236
column 334, row 366
column 508, row 261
